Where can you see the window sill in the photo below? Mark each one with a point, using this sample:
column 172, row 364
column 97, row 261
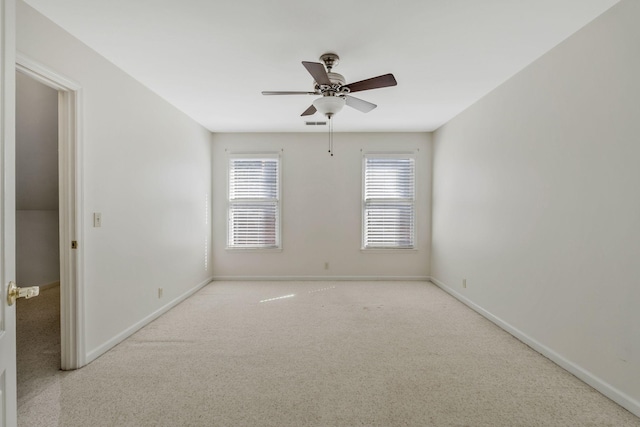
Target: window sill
column 388, row 250
column 244, row 250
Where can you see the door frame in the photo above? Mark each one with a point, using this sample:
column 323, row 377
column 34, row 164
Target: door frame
column 72, row 345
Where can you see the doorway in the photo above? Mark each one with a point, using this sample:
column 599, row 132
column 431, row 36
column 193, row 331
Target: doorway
column 69, row 187
column 37, row 235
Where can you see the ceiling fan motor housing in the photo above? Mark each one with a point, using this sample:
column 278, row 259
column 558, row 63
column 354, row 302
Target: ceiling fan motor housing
column 337, row 79
column 337, row 83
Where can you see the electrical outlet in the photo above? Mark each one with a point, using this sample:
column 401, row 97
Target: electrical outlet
column 326, row 265
column 464, row 283
column 160, row 291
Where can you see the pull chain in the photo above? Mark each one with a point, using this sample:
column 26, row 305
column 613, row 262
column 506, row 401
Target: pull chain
column 330, row 136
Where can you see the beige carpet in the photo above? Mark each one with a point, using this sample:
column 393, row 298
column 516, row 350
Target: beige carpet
column 321, row 354
column 38, row 342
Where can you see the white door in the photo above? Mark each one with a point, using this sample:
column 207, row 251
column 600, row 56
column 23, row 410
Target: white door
column 8, row 401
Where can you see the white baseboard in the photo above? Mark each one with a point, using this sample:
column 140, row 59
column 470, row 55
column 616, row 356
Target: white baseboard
column 621, row 398
column 97, row 352
column 319, row 278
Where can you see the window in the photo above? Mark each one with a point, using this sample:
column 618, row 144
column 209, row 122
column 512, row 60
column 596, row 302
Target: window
column 389, row 201
column 254, row 201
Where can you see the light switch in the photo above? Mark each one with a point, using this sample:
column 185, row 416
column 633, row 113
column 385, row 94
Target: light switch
column 97, row 219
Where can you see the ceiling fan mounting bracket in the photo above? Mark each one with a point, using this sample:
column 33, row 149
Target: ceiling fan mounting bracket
column 330, row 60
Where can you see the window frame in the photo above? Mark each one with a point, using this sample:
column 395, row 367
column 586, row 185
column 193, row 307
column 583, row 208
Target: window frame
column 278, row 235
column 414, row 235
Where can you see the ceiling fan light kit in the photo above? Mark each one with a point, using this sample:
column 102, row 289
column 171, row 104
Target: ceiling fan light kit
column 329, row 105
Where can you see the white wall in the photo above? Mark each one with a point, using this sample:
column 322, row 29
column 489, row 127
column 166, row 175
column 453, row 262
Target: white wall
column 37, row 145
column 321, row 207
column 37, row 247
column 536, row 203
column 147, row 169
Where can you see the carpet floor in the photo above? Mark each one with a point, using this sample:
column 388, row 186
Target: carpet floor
column 320, row 354
column 38, row 342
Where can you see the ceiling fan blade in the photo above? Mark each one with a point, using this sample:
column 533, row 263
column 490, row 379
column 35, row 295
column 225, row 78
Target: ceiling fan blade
column 309, row 111
column 267, row 92
column 318, row 72
column 359, row 104
column 373, row 83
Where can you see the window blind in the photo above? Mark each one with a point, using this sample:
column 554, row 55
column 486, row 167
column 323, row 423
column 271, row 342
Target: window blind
column 254, row 205
column 389, row 202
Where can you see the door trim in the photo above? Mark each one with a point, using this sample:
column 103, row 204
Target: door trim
column 72, row 344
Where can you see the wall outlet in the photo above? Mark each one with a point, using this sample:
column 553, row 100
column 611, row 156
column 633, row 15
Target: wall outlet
column 464, row 283
column 160, row 291
column 326, row 265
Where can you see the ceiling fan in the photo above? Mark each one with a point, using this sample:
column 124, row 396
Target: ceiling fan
column 333, row 90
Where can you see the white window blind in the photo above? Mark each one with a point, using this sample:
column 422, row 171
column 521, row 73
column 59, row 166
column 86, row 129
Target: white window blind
column 254, row 202
column 389, row 201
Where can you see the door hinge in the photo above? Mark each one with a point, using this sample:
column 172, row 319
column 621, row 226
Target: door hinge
column 74, row 244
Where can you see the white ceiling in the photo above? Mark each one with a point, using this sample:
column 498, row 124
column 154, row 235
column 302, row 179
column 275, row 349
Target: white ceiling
column 211, row 59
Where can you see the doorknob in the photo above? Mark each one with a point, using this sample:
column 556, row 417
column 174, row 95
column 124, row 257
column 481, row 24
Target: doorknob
column 14, row 292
